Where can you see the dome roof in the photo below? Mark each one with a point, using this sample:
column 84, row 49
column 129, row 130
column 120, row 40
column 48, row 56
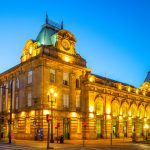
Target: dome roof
column 44, row 37
column 47, row 35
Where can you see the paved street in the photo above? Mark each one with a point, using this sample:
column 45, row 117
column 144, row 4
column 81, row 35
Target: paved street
column 74, row 145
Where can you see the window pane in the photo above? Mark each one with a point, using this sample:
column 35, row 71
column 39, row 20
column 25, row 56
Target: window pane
column 29, row 77
column 66, row 100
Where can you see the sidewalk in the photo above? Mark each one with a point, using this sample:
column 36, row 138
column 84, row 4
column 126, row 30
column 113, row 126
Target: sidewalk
column 74, row 143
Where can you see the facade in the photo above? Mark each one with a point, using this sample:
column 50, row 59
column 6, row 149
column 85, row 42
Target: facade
column 53, row 79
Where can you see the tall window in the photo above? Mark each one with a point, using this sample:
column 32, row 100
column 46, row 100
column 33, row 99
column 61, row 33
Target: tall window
column 29, row 99
column 17, row 83
column 77, row 83
column 77, row 101
column 65, row 78
column 52, row 75
column 30, row 77
column 66, row 100
column 16, row 102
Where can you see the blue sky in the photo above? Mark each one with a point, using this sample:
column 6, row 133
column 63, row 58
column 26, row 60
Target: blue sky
column 112, row 35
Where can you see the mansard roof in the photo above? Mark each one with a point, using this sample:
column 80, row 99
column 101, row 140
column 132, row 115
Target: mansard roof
column 47, row 34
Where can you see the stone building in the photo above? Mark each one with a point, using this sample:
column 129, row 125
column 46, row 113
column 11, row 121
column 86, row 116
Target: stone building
column 52, row 78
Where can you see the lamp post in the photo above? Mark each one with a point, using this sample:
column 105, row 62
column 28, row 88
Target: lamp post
column 11, row 95
column 10, row 115
column 52, row 99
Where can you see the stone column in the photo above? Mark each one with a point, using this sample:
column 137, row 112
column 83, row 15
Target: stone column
column 120, row 127
column 129, row 127
column 137, row 128
column 107, row 130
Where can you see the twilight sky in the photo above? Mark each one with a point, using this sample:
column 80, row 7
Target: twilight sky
column 112, row 35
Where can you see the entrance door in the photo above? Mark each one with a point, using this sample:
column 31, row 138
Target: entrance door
column 115, row 128
column 133, row 129
column 66, row 128
column 141, row 129
column 99, row 128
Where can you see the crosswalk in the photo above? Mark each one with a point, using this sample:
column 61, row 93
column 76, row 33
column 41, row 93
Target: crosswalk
column 4, row 146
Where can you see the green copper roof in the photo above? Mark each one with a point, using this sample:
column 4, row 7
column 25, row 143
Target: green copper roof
column 44, row 37
column 47, row 35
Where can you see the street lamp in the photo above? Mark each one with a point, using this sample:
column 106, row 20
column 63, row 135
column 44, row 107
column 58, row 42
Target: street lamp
column 52, row 98
column 10, row 120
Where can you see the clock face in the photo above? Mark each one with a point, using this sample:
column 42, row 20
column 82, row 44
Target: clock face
column 66, row 44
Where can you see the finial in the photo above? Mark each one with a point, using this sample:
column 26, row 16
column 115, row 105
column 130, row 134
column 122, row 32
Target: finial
column 62, row 24
column 46, row 20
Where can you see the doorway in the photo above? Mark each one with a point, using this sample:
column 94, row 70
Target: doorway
column 66, row 128
column 125, row 128
column 99, row 128
column 115, row 129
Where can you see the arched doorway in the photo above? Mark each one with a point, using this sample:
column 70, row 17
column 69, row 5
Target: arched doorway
column 99, row 111
column 115, row 116
column 125, row 108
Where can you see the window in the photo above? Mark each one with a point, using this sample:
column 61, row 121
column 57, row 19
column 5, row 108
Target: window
column 52, row 75
column 77, row 101
column 30, row 77
column 65, row 78
column 77, row 83
column 29, row 99
column 17, row 83
column 66, row 100
column 16, row 102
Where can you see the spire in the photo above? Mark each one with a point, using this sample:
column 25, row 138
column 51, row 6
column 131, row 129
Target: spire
column 147, row 77
column 46, row 19
column 62, row 24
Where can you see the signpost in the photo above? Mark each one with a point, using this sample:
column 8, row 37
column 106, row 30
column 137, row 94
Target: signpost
column 48, row 118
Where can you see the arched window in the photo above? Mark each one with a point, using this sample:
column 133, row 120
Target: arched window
column 125, row 108
column 99, row 106
column 115, row 108
column 133, row 110
column 141, row 111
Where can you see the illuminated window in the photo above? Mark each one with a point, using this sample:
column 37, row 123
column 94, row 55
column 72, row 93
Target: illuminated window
column 30, row 77
column 77, row 101
column 65, row 78
column 29, row 99
column 16, row 102
column 66, row 100
column 52, row 75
